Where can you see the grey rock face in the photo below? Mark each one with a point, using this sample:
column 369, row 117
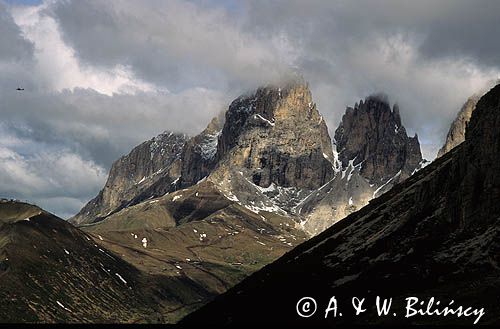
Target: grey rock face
column 199, row 154
column 156, row 160
column 456, row 134
column 374, row 154
column 279, row 137
column 371, row 134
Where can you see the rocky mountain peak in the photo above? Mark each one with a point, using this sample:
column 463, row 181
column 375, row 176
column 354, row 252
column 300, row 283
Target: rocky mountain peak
column 278, row 136
column 156, row 160
column 371, row 135
column 199, row 153
column 265, row 107
column 456, row 134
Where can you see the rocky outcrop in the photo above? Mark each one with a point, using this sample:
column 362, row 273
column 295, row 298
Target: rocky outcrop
column 278, row 136
column 372, row 154
column 456, row 134
column 199, row 154
column 436, row 235
column 371, row 135
column 133, row 175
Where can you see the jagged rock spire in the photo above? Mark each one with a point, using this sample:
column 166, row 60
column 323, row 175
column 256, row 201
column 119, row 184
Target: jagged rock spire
column 372, row 135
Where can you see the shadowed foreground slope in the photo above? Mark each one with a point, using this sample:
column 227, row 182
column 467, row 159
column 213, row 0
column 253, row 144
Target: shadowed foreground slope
column 51, row 271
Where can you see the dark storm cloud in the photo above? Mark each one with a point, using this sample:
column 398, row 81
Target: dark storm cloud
column 446, row 28
column 171, row 43
column 101, row 127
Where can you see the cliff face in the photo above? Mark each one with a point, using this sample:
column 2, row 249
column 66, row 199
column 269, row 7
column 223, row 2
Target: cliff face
column 434, row 235
column 155, row 160
column 456, row 134
column 275, row 135
column 279, row 137
column 199, row 154
column 373, row 153
column 371, row 134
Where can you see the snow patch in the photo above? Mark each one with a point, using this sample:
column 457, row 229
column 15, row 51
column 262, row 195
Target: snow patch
column 120, row 277
column 208, row 147
column 231, row 196
column 61, row 305
column 384, row 185
column 270, row 188
column 258, row 116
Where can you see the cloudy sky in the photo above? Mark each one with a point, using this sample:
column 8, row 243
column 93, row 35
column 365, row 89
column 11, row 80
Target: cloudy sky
column 101, row 76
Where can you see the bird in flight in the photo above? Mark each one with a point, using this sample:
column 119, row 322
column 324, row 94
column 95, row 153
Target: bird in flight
column 20, row 89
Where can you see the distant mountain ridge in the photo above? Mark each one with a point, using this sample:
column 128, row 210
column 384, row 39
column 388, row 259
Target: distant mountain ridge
column 281, row 145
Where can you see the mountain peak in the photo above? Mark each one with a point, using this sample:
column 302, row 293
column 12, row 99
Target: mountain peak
column 456, row 134
column 281, row 137
column 134, row 175
column 372, row 134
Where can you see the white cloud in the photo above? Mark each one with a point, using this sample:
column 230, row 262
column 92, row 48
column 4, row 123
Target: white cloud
column 171, row 43
column 56, row 66
column 429, row 93
column 44, row 174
